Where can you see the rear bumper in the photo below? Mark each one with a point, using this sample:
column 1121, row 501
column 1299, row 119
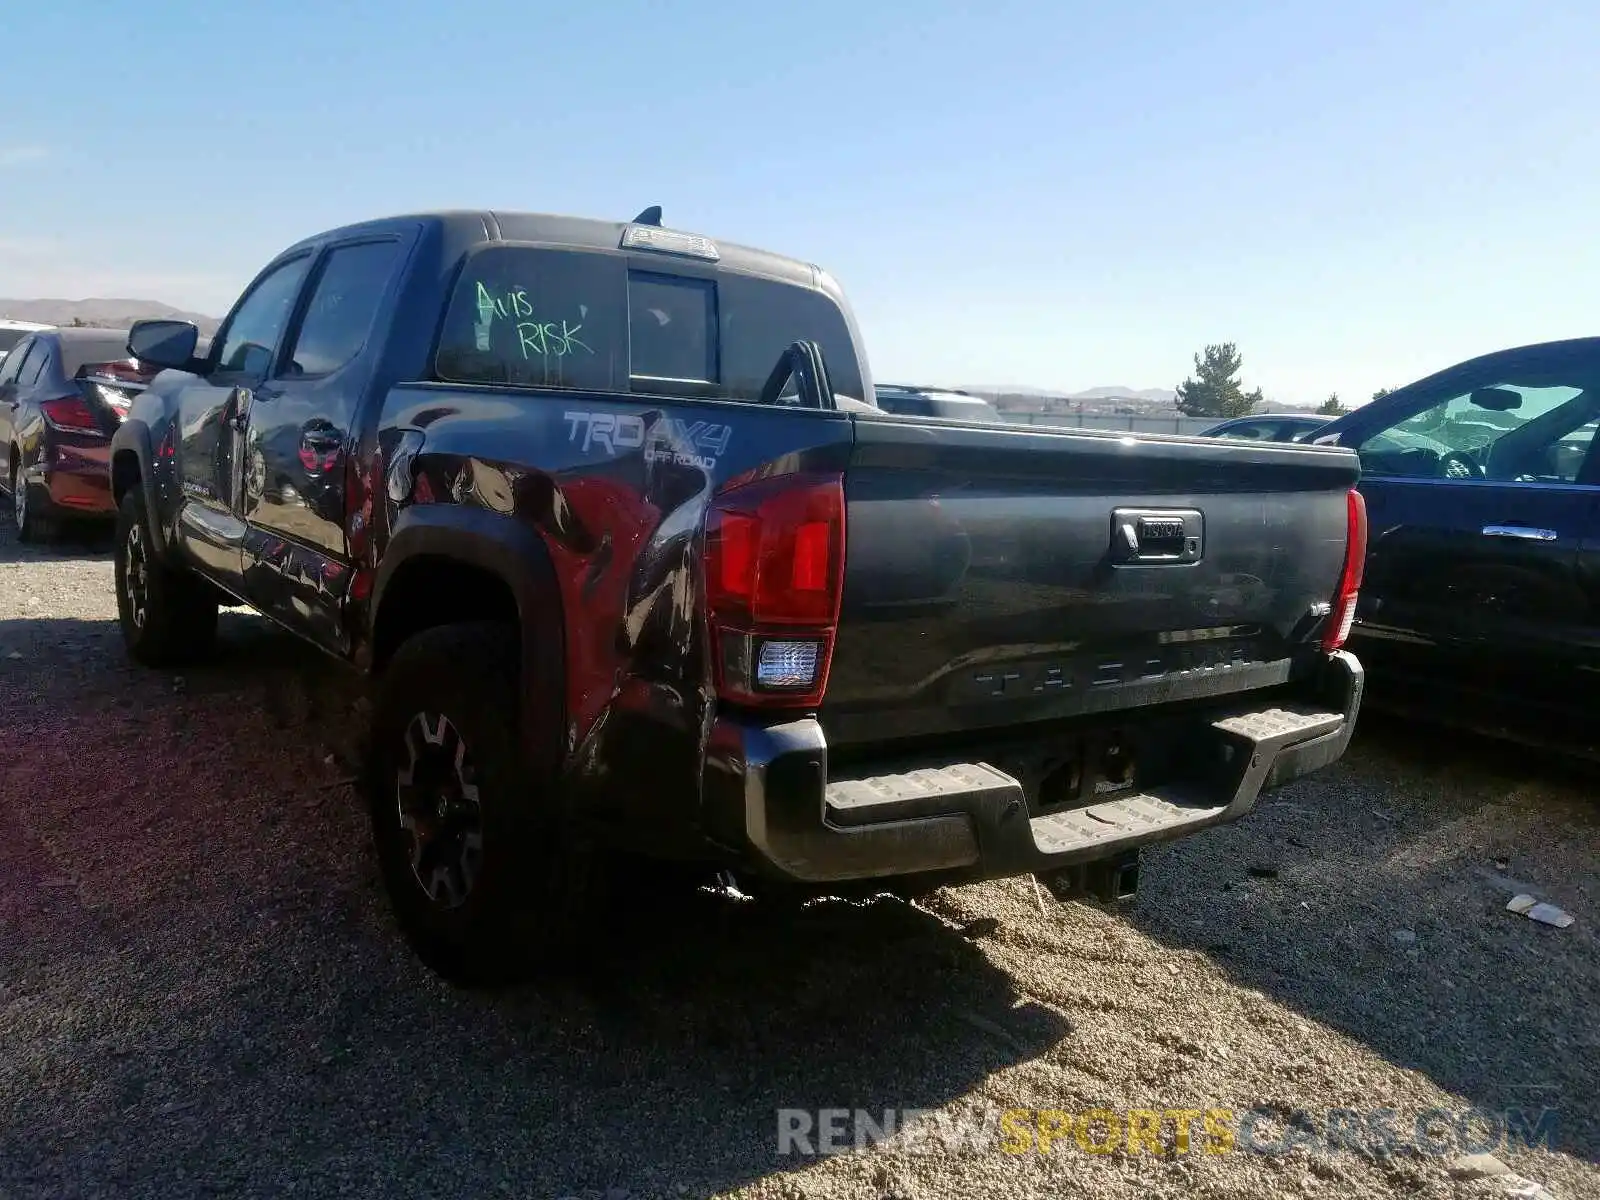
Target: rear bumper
column 73, row 479
column 768, row 788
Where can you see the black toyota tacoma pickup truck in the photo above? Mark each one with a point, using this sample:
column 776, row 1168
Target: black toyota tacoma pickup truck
column 606, row 511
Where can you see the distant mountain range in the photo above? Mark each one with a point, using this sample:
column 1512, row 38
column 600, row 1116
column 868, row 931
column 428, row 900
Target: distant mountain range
column 101, row 313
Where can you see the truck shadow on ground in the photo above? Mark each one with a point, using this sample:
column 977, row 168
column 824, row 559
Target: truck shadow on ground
column 90, row 540
column 202, row 980
column 1381, row 913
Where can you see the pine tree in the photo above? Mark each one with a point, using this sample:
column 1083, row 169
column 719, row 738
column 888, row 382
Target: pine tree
column 1215, row 390
column 1332, row 406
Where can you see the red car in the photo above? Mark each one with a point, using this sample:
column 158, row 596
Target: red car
column 63, row 392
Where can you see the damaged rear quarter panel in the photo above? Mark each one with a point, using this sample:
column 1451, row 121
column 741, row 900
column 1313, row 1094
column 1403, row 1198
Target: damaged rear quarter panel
column 616, row 488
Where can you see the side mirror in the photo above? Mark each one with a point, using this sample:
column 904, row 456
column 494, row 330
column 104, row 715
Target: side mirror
column 802, row 367
column 163, row 343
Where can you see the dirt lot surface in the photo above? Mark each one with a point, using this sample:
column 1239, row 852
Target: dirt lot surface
column 201, row 992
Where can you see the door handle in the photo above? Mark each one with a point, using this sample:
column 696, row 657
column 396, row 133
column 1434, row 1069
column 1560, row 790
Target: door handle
column 1156, row 536
column 1525, row 532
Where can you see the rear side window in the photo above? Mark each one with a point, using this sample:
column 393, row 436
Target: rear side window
column 13, row 362
column 572, row 319
column 535, row 318
column 33, row 365
column 343, row 305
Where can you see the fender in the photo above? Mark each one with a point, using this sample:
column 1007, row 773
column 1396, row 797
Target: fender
column 516, row 554
column 134, row 435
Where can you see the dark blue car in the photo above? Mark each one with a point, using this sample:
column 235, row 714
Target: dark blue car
column 1481, row 600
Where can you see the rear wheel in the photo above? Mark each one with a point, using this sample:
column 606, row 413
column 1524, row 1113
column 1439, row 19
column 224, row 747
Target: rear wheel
column 32, row 525
column 168, row 614
column 483, row 880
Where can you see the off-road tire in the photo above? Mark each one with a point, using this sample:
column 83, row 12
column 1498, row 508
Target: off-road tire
column 532, row 893
column 176, row 622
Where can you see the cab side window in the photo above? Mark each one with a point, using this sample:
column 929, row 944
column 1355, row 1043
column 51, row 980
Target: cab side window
column 259, row 322
column 343, row 306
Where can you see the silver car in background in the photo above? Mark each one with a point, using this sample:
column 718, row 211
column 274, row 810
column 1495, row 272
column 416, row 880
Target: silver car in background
column 910, row 401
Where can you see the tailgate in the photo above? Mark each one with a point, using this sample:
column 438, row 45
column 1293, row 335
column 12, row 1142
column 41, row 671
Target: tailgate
column 997, row 576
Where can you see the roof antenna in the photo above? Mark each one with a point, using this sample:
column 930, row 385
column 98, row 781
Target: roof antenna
column 650, row 216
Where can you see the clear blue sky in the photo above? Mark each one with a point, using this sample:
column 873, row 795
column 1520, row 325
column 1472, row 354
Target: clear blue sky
column 1064, row 195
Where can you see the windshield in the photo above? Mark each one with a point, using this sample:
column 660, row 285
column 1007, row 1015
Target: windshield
column 592, row 322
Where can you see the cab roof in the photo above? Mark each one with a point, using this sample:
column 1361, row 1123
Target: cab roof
column 478, row 226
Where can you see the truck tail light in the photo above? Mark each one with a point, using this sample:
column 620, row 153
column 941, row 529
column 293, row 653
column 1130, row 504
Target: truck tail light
column 1355, row 559
column 116, row 383
column 317, row 461
column 774, row 575
column 70, row 413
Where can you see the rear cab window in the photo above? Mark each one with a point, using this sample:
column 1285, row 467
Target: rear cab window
column 672, row 329
column 595, row 321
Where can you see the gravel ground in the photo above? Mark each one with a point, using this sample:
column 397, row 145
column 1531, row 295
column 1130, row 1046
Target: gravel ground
column 201, row 992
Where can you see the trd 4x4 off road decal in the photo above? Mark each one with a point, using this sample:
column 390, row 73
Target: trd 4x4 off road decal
column 668, row 439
